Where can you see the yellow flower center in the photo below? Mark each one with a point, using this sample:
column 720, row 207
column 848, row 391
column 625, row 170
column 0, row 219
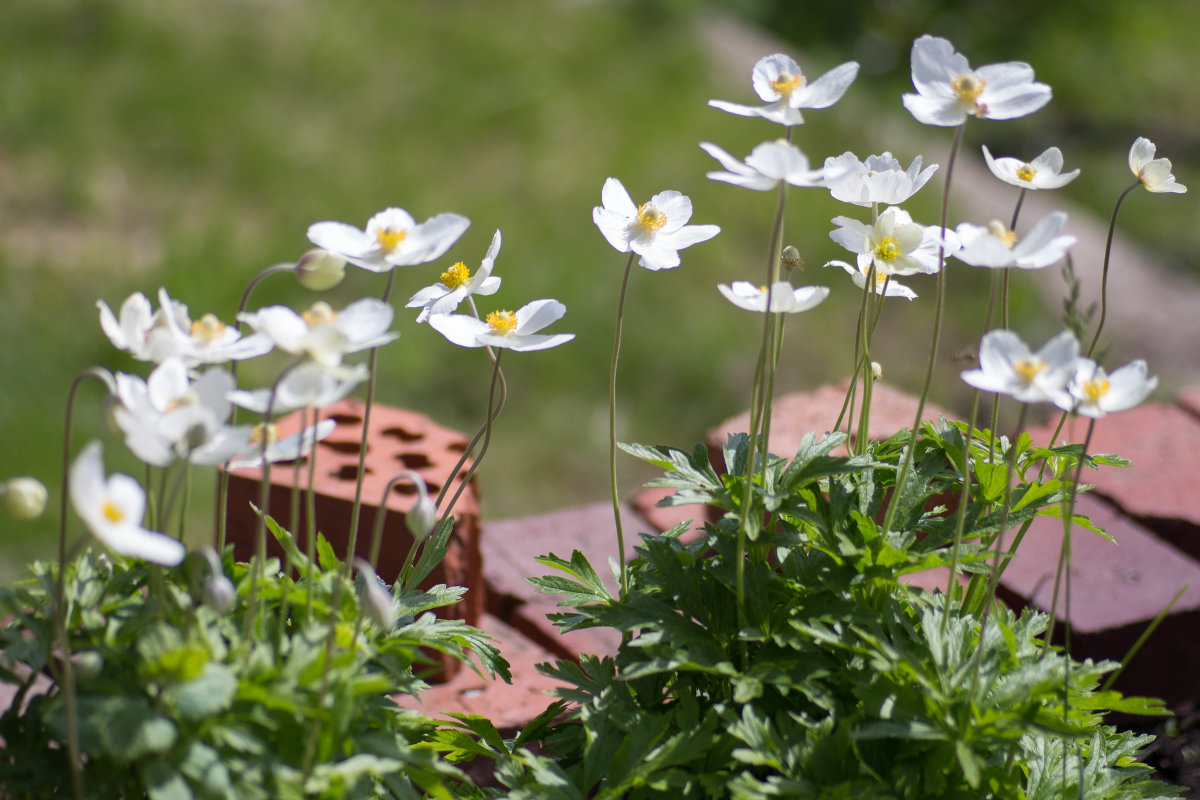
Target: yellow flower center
column 997, row 228
column 208, row 328
column 390, row 238
column 650, row 218
column 888, row 249
column 1028, row 369
column 1094, row 389
column 188, row 398
column 456, row 276
column 967, row 88
column 502, row 323
column 267, row 432
column 319, row 314
column 1026, row 172
column 112, row 513
column 880, row 279
column 787, row 83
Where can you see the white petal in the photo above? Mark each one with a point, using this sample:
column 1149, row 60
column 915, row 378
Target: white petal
column 534, row 316
column 460, row 329
column 933, row 111
column 827, row 89
column 429, row 240
column 340, row 238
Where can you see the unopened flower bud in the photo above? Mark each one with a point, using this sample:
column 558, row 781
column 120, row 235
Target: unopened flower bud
column 421, row 518
column 318, row 270
column 876, row 371
column 88, row 664
column 219, row 594
column 24, row 498
column 790, row 258
column 377, row 600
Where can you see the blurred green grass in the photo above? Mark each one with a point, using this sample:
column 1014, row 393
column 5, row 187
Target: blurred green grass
column 187, row 145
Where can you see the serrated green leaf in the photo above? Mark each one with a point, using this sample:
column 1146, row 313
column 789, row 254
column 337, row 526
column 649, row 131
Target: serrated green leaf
column 163, row 782
column 207, row 694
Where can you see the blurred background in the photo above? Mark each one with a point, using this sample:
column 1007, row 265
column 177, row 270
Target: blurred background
column 146, row 143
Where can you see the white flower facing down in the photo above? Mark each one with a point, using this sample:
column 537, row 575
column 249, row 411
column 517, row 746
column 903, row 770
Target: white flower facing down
column 880, row 179
column 656, row 230
column 378, row 602
column 155, row 336
column 112, row 508
column 1044, row 172
column 767, row 165
column 784, row 298
column 949, row 91
column 457, row 284
column 1154, row 173
column 895, row 244
column 884, row 284
column 1094, row 393
column 513, row 331
column 392, row 238
column 289, row 448
column 1006, row 366
column 780, row 83
column 997, row 247
column 322, row 334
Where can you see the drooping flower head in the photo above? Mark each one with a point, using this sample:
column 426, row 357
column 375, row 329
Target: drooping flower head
column 1006, row 366
column 507, row 329
column 878, row 180
column 457, row 284
column 781, row 84
column 323, row 334
column 949, row 91
column 884, row 284
column 1093, row 393
column 784, row 298
column 656, row 230
column 1154, row 173
column 392, row 238
column 997, row 247
column 1044, row 172
column 266, row 446
column 894, row 243
column 767, row 165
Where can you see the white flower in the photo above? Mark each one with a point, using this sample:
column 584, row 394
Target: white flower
column 1007, row 367
column 112, row 509
column 308, row 385
column 392, row 239
column 949, row 91
column 169, row 333
column 779, row 82
column 457, row 284
column 996, row 246
column 656, row 230
column 1093, row 393
column 287, row 449
column 884, row 283
column 24, row 497
column 378, row 602
column 1044, row 172
column 169, row 416
column 880, row 179
column 767, row 165
column 322, row 334
column 514, row 331
column 1154, row 173
column 784, row 299
column 895, row 244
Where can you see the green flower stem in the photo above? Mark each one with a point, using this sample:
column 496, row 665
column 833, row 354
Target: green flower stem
column 377, row 532
column 1112, row 226
column 864, row 335
column 612, row 428
column 310, row 533
column 906, row 465
column 1064, row 556
column 485, row 431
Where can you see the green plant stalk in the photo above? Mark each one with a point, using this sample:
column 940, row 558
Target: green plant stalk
column 1112, row 226
column 1141, row 640
column 486, row 431
column 1064, row 556
column 612, row 427
column 906, row 465
column 852, row 389
column 859, row 445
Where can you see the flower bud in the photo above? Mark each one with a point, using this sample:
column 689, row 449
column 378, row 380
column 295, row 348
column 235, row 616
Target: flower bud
column 219, row 594
column 318, row 270
column 421, row 518
column 378, row 602
column 876, row 371
column 790, row 258
column 88, row 665
column 24, row 498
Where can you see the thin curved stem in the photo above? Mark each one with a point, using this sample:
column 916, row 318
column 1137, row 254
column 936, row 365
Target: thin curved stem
column 486, row 431
column 612, row 428
column 1064, row 556
column 1112, row 227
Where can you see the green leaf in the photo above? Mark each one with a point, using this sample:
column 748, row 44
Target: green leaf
column 432, row 552
column 163, row 782
column 584, row 585
column 212, row 691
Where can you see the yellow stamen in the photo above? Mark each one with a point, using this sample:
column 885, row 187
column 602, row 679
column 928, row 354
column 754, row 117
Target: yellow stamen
column 967, row 88
column 1028, row 369
column 502, row 323
column 1094, row 389
column 320, row 313
column 650, row 218
column 188, row 398
column 888, row 249
column 997, row 228
column 880, row 279
column 390, row 238
column 208, row 328
column 787, row 83
column 112, row 513
column 1026, row 172
column 456, row 276
column 264, row 431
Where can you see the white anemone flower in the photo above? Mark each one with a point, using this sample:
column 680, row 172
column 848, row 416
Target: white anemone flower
column 392, row 238
column 894, row 243
column 1044, row 172
column 112, row 508
column 997, row 247
column 767, row 165
column 155, row 336
column 308, row 385
column 1154, row 173
column 880, row 179
column 784, row 298
column 949, row 91
column 511, row 330
column 884, row 284
column 265, row 444
column 779, row 81
column 1006, row 366
column 1094, row 393
column 169, row 416
column 457, row 284
column 322, row 334
column 656, row 230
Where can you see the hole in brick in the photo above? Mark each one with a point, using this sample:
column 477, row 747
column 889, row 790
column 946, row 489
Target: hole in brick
column 292, row 463
column 457, row 447
column 414, row 460
column 349, row 472
column 403, row 434
column 405, row 489
column 343, row 447
column 346, row 419
column 433, row 488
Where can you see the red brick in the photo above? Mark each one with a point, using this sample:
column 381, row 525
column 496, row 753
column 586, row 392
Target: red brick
column 664, row 518
column 1189, row 400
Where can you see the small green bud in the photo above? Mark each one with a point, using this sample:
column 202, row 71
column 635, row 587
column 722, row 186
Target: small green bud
column 24, row 498
column 319, row 270
column 790, row 258
column 378, row 602
column 88, row 665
